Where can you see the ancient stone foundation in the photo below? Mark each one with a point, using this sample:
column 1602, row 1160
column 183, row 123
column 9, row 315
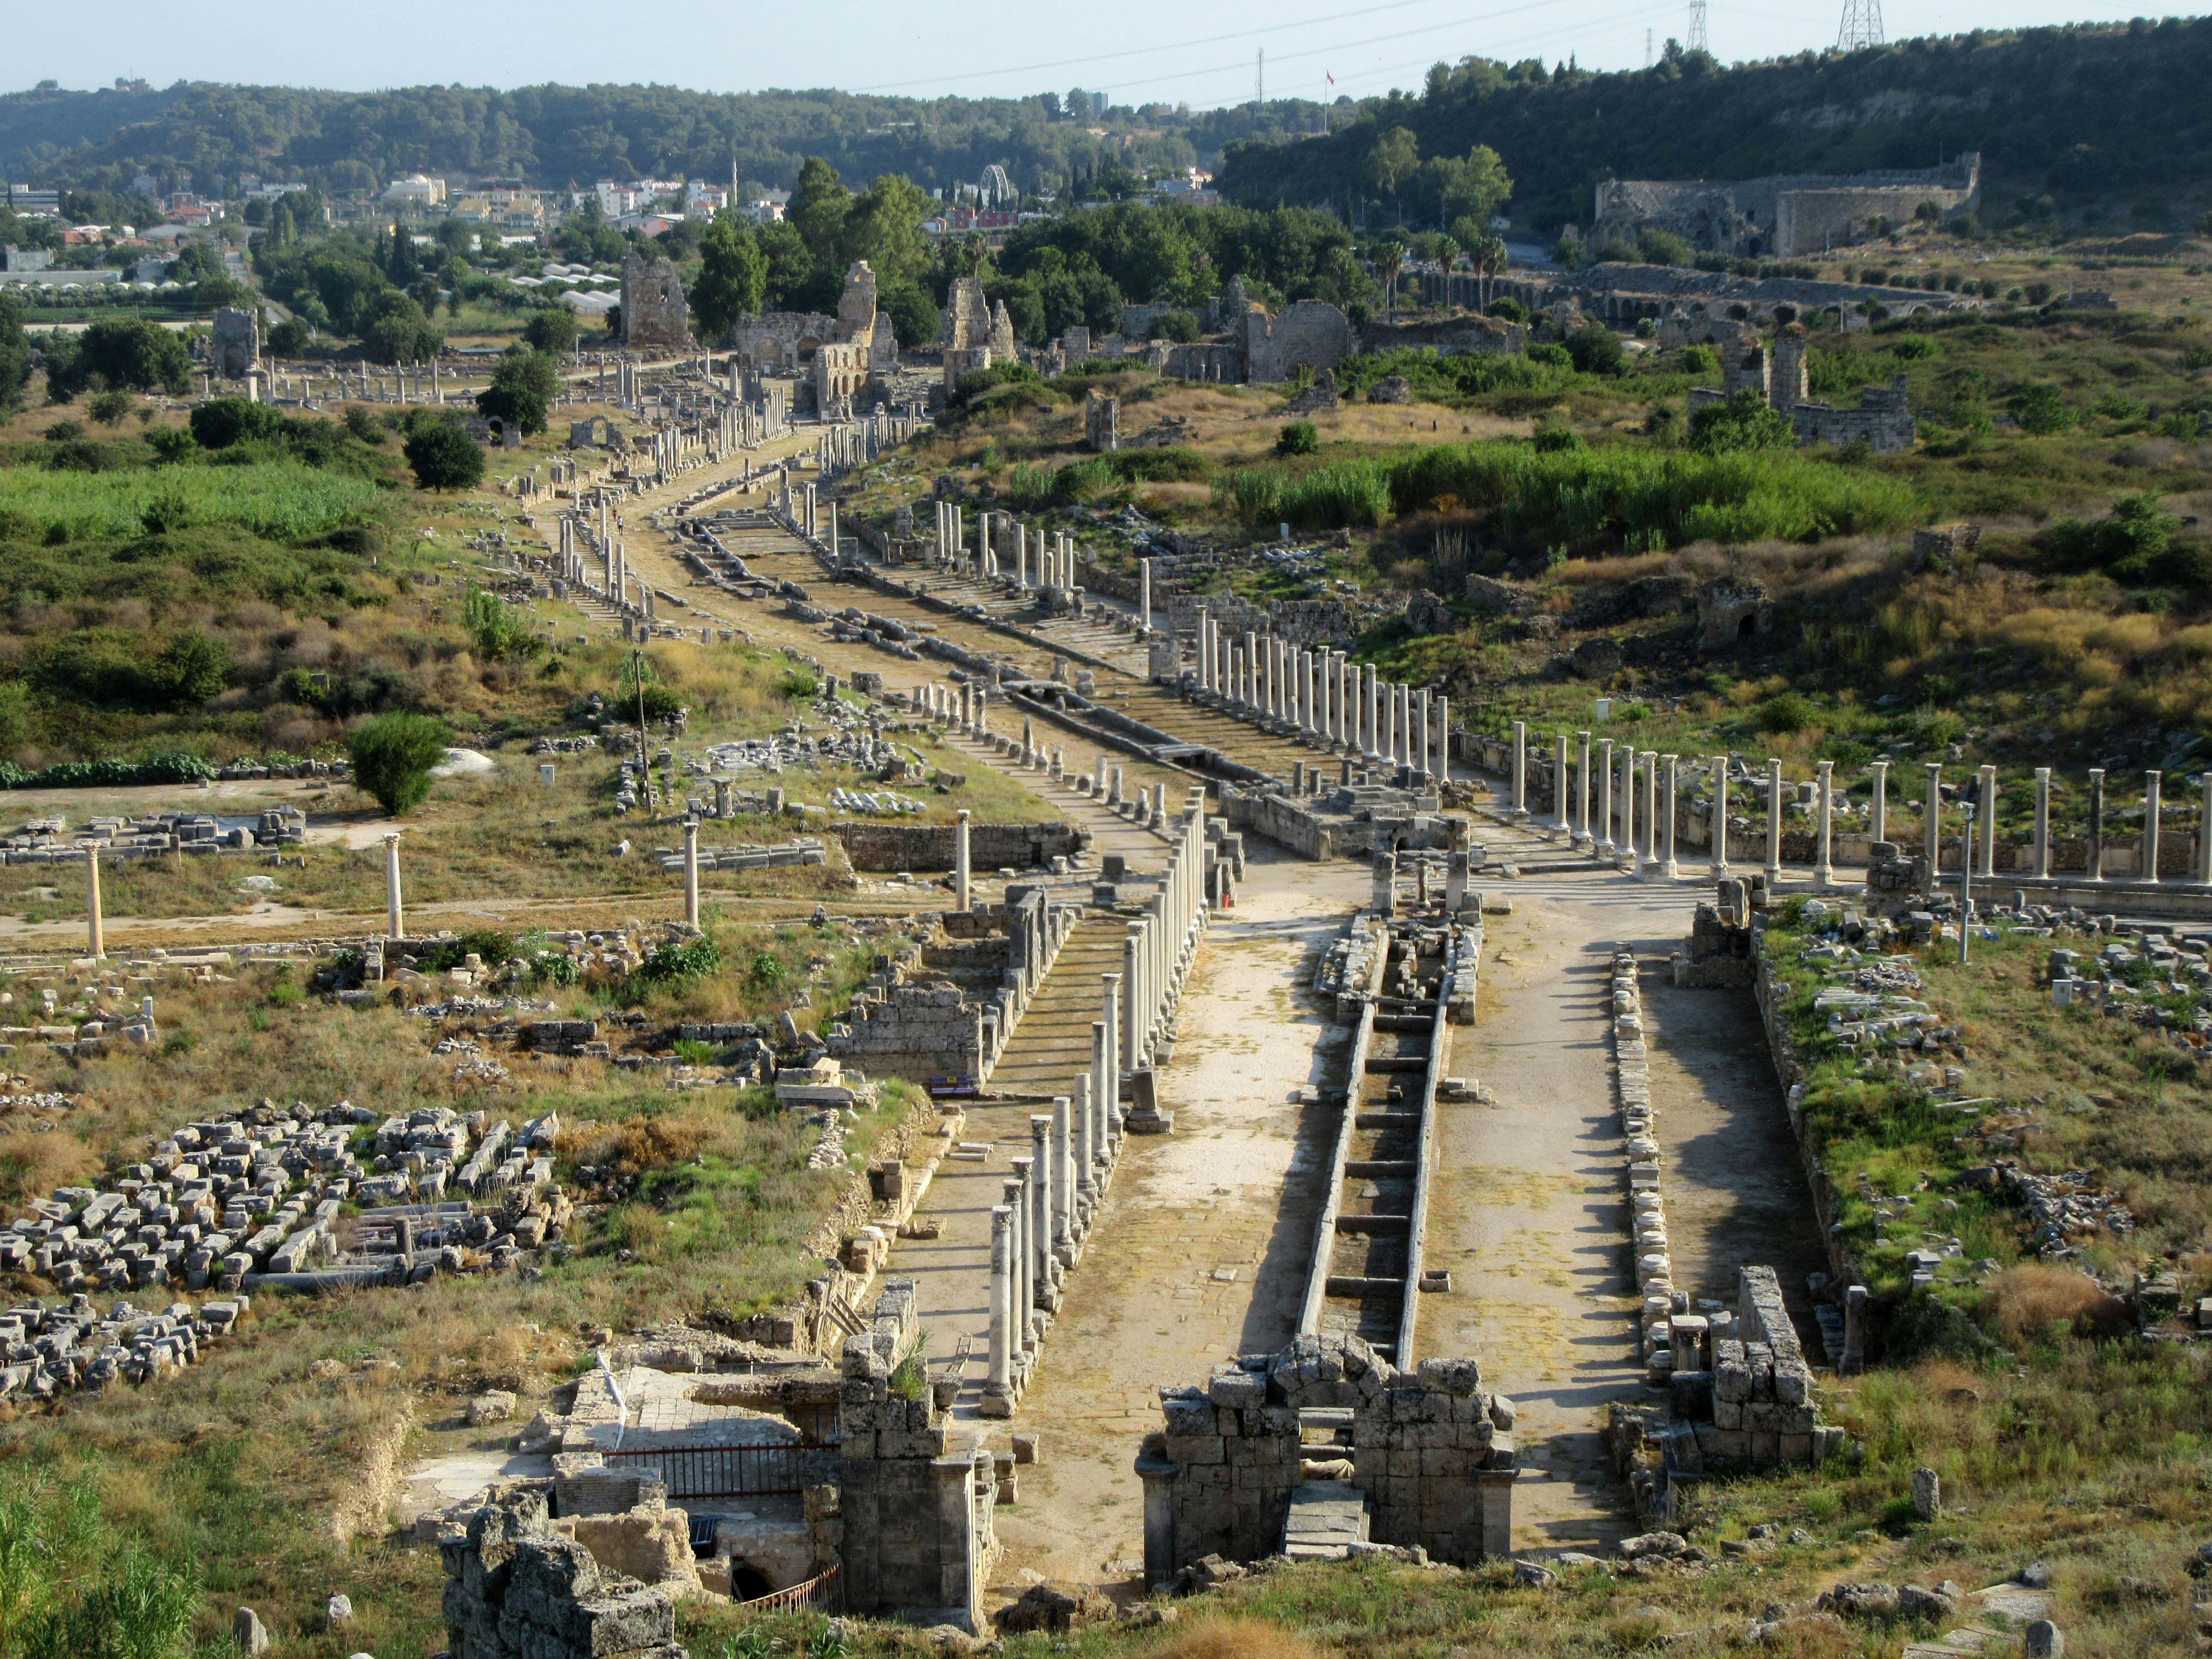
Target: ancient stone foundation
column 517, row 1588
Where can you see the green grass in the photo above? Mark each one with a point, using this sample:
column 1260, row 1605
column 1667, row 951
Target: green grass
column 1537, row 498
column 277, row 500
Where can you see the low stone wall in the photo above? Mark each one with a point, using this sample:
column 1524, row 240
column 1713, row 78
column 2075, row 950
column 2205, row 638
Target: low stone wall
column 516, row 1588
column 877, row 847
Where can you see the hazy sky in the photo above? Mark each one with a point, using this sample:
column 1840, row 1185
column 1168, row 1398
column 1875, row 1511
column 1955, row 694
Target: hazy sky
column 1136, row 50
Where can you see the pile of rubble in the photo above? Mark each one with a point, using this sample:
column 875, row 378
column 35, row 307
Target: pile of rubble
column 232, row 1201
column 47, row 840
column 49, row 1349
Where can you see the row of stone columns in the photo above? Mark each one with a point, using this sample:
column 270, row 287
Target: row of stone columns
column 1323, row 697
column 1049, row 1208
column 1157, row 952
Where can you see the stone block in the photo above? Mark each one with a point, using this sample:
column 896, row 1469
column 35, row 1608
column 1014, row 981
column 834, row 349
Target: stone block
column 1194, row 1450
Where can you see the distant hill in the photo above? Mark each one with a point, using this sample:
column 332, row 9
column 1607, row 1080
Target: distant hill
column 549, row 135
column 2105, row 121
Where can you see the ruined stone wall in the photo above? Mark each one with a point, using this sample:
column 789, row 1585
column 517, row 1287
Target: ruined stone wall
column 1810, row 222
column 779, row 340
column 654, row 318
column 1883, row 419
column 1432, row 1450
column 233, row 344
column 913, row 1505
column 1310, row 333
column 515, row 1589
column 880, row 846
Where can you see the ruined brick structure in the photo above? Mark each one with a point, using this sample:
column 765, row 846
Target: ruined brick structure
column 1883, row 419
column 233, row 344
column 1786, row 216
column 1431, row 1450
column 1102, row 420
column 654, row 315
column 517, row 1588
column 1263, row 350
column 915, row 1504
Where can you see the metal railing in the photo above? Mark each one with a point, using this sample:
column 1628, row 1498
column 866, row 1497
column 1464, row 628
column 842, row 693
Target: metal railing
column 766, row 1471
column 820, row 1594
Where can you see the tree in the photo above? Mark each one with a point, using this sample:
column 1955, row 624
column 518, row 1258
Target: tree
column 1596, row 349
column 392, row 755
column 522, row 389
column 125, row 353
column 395, row 330
column 733, row 280
column 400, row 265
column 790, row 265
column 192, row 668
column 443, row 457
column 1390, row 164
column 884, row 228
column 14, row 352
column 222, row 421
column 552, row 330
column 111, row 409
column 1746, row 421
column 817, row 210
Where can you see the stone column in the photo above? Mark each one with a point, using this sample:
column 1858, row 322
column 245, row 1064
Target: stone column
column 1132, row 967
column 1563, row 822
column 1878, row 818
column 1043, row 1205
column 2204, row 833
column 1424, row 752
column 2151, row 782
column 1581, row 835
column 1021, row 1304
column 392, row 908
column 1443, row 739
column 2042, row 846
column 1932, row 825
column 1718, row 837
column 1601, row 842
column 1773, row 823
column 2096, row 823
column 1824, row 863
column 1000, row 1381
column 1107, row 1091
column 960, row 859
column 691, row 872
column 1520, row 768
column 1144, row 598
column 1984, row 859
column 1626, row 845
column 1371, row 691
column 96, row 935
column 1651, row 810
column 1064, row 1220
column 1670, row 869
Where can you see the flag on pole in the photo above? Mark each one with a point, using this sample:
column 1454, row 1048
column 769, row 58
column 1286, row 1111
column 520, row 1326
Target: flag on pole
column 1332, row 78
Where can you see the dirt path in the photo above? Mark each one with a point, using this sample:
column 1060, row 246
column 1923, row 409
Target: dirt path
column 1202, row 1253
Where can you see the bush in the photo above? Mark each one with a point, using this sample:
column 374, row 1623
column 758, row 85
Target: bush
column 1299, row 437
column 123, row 353
column 392, row 755
column 1551, row 439
column 1700, row 359
column 2128, row 543
column 2034, row 1300
column 1745, row 422
column 110, row 409
column 1177, row 327
column 1783, row 714
column 223, row 421
column 671, row 964
column 1510, row 310
column 443, row 457
column 1595, row 348
column 498, row 629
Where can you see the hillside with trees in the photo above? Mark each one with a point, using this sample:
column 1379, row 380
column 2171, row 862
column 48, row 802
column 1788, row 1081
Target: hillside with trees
column 550, row 137
column 2080, row 127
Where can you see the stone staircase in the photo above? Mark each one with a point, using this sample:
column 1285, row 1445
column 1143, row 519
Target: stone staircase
column 1052, row 1044
column 1325, row 1520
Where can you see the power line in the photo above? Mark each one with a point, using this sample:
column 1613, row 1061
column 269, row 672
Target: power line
column 1862, row 25
column 1142, row 51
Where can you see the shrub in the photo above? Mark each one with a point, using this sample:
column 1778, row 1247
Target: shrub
column 223, row 421
column 1299, row 437
column 1700, row 359
column 693, row 958
column 1551, row 439
column 2025, row 1301
column 110, row 409
column 1785, row 713
column 1595, row 348
column 499, row 630
column 2127, row 543
column 1745, row 422
column 1509, row 310
column 1177, row 327
column 392, row 755
column 444, row 457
